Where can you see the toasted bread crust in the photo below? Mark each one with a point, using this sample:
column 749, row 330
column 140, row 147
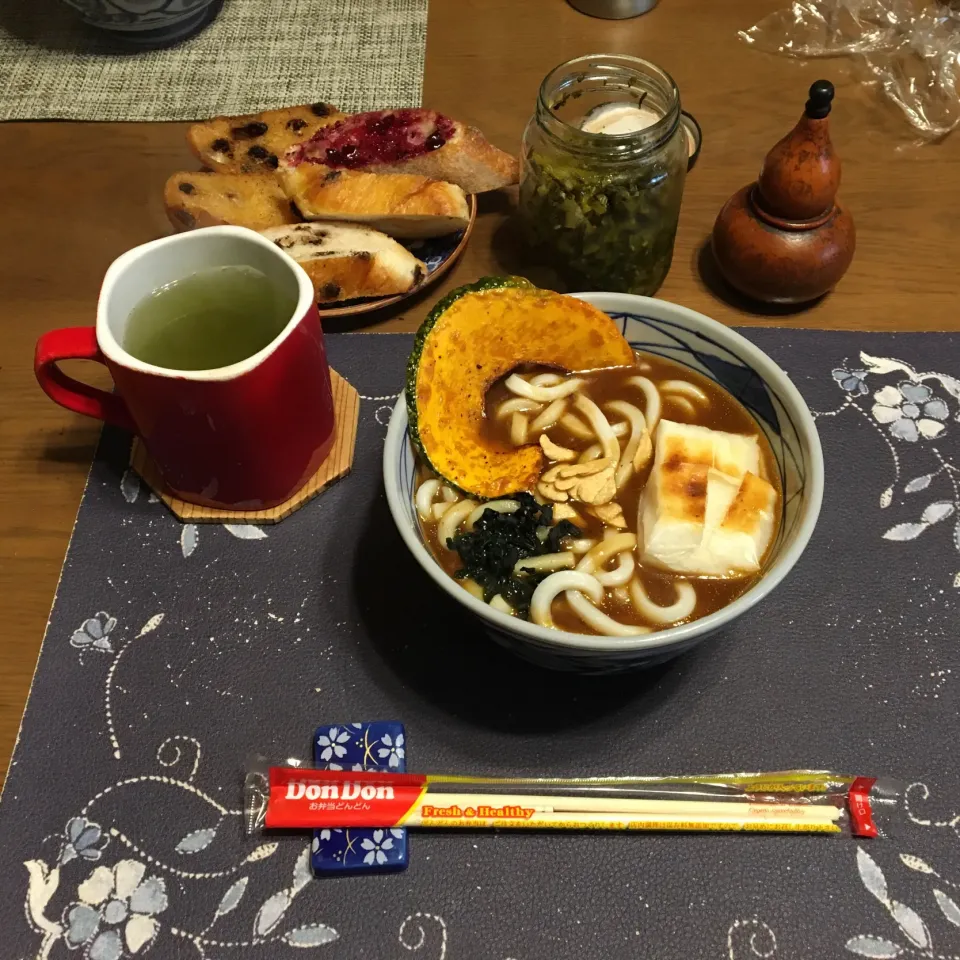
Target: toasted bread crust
column 205, row 199
column 413, row 141
column 401, row 204
column 468, row 159
column 351, row 276
column 256, row 142
column 346, row 261
column 321, row 192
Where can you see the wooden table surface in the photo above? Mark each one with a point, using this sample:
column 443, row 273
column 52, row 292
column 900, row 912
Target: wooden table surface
column 78, row 195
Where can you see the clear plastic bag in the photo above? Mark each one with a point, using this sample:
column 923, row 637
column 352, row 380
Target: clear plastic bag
column 909, row 48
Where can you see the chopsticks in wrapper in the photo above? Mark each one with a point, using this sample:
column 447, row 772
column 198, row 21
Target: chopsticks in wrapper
column 800, row 801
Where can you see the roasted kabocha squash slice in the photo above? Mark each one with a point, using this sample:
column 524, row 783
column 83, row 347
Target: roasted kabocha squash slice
column 473, row 337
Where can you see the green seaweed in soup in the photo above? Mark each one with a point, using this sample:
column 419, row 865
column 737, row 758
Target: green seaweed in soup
column 605, row 226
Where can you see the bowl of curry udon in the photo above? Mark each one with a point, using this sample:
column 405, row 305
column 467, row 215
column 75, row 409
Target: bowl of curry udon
column 604, row 480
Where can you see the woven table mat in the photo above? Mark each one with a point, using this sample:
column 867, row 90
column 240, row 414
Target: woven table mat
column 257, row 54
column 174, row 650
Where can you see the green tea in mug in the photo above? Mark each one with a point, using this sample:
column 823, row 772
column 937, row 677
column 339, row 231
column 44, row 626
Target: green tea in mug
column 210, row 319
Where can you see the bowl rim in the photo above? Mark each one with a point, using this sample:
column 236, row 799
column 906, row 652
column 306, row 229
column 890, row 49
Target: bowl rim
column 659, row 640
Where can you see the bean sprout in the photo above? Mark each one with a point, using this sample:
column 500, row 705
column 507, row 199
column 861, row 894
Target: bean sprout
column 452, row 519
column 500, row 506
column 621, row 574
column 680, row 609
column 547, row 561
column 516, row 405
column 682, row 403
column 518, row 429
column 638, row 425
column 685, row 389
column 574, row 425
column 600, row 424
column 425, row 494
column 521, row 388
column 597, row 619
column 548, row 417
column 652, row 396
column 556, row 583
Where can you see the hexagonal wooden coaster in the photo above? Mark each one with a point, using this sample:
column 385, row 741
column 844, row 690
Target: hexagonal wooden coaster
column 346, row 405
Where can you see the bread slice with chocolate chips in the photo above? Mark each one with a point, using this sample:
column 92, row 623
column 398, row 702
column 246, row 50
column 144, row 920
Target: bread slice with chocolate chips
column 256, row 143
column 238, row 199
column 346, row 261
column 400, row 204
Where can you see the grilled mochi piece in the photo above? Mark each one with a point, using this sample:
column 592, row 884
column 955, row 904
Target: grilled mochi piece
column 705, row 510
column 346, row 261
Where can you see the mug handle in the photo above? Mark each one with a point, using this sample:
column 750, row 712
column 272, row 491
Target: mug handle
column 77, row 343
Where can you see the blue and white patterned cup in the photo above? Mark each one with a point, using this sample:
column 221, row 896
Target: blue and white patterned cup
column 148, row 23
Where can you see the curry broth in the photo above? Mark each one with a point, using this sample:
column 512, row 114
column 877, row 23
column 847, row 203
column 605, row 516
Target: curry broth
column 724, row 413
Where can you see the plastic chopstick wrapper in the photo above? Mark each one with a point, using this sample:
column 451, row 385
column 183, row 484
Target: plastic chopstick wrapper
column 796, row 801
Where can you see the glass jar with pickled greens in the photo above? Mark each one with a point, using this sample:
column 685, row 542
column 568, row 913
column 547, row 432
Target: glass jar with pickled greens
column 604, row 160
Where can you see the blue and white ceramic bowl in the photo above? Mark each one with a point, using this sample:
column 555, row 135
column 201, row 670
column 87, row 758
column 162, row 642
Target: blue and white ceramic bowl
column 728, row 359
column 148, row 22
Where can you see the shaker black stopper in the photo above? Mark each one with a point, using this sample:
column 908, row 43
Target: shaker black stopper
column 821, row 96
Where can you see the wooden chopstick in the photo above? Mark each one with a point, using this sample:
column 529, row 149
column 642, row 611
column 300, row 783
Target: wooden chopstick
column 601, row 804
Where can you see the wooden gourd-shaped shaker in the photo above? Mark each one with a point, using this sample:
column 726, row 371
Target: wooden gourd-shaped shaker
column 786, row 238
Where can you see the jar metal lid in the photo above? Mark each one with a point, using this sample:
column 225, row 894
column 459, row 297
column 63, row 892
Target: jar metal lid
column 613, row 119
column 694, row 137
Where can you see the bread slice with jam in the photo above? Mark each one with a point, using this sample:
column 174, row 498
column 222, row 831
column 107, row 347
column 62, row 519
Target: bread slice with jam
column 412, row 141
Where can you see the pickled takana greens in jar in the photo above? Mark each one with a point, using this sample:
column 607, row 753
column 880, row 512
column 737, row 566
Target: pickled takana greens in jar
column 604, row 160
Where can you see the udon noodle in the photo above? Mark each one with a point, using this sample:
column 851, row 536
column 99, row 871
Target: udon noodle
column 605, row 435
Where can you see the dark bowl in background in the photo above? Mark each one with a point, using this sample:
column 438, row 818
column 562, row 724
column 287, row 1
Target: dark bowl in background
column 147, row 23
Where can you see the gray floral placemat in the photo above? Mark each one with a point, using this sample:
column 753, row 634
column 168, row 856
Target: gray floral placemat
column 174, row 650
column 257, row 54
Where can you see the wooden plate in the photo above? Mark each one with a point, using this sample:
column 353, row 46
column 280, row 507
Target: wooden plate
column 438, row 253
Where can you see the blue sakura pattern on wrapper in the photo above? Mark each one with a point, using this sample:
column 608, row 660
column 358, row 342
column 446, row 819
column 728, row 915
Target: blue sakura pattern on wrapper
column 380, row 745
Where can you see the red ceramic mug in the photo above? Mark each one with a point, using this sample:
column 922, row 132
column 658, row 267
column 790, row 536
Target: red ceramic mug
column 244, row 437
